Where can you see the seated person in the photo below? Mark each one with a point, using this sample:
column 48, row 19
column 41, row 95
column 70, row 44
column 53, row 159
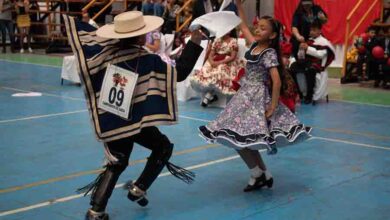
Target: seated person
column 371, row 64
column 381, row 75
column 221, row 67
column 86, row 17
column 289, row 90
column 177, row 47
column 313, row 58
column 155, row 43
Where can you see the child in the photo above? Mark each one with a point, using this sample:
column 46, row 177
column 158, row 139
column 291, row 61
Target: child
column 382, row 73
column 23, row 22
column 371, row 65
column 319, row 54
column 222, row 66
column 86, row 17
column 289, row 92
column 254, row 119
column 178, row 46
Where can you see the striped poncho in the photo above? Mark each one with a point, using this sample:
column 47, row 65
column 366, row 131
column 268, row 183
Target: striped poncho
column 154, row 100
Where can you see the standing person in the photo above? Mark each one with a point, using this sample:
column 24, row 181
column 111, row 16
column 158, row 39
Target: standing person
column 154, row 100
column 202, row 7
column 254, row 118
column 306, row 13
column 158, row 8
column 23, row 22
column 6, row 24
column 148, row 7
column 169, row 16
column 289, row 91
column 319, row 54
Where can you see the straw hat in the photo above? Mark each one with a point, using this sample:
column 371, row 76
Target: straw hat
column 130, row 24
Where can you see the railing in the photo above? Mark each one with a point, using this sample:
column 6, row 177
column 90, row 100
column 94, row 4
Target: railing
column 349, row 34
column 187, row 21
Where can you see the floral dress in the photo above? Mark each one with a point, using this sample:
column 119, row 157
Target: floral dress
column 242, row 124
column 218, row 78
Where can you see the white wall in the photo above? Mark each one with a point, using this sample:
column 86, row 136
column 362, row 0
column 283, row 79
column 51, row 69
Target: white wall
column 266, row 8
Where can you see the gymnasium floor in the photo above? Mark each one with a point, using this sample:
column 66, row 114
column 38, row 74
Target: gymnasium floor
column 48, row 150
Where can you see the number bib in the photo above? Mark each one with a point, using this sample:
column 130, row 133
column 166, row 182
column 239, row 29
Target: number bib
column 117, row 91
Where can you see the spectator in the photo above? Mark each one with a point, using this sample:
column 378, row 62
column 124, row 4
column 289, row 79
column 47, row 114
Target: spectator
column 23, row 22
column 148, row 7
column 202, row 7
column 169, row 16
column 371, row 64
column 155, row 43
column 97, row 7
column 158, row 8
column 305, row 14
column 221, row 67
column 319, row 53
column 6, row 24
column 86, row 17
column 382, row 74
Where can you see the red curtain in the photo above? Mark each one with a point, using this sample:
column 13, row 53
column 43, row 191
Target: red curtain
column 337, row 11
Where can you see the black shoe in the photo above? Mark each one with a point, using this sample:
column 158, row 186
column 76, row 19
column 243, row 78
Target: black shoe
column 135, row 194
column 91, row 215
column 214, row 99
column 308, row 101
column 206, row 101
column 260, row 183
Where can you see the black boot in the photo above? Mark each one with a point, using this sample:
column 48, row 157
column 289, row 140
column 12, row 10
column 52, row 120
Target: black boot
column 102, row 189
column 92, row 215
column 135, row 194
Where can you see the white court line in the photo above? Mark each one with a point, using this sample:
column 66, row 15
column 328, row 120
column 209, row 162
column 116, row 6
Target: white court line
column 351, row 143
column 195, row 119
column 360, row 103
column 43, row 93
column 42, row 116
column 46, row 65
column 68, row 198
column 352, row 102
column 313, row 137
column 337, row 100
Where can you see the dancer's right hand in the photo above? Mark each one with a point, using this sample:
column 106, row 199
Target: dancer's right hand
column 269, row 112
column 196, row 36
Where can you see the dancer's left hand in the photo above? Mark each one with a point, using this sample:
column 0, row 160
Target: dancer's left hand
column 269, row 112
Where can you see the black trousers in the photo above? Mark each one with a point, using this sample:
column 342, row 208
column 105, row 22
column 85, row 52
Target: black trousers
column 310, row 75
column 150, row 138
column 7, row 25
